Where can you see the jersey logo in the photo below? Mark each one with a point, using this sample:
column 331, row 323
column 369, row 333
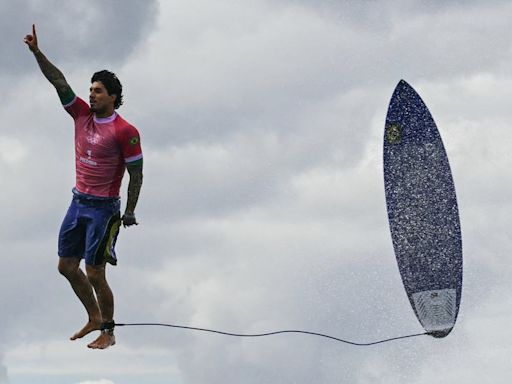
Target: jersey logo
column 93, row 139
column 88, row 160
column 134, row 140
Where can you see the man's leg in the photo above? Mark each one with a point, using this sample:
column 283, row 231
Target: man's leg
column 96, row 276
column 69, row 267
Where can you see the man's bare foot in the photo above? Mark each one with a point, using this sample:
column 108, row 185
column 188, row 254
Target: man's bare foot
column 104, row 340
column 89, row 327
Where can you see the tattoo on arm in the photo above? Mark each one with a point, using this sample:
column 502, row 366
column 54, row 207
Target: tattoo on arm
column 134, row 187
column 53, row 74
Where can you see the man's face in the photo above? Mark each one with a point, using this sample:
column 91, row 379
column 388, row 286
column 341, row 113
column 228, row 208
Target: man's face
column 99, row 99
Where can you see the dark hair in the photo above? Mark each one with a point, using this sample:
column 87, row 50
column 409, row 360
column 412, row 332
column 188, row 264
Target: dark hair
column 111, row 83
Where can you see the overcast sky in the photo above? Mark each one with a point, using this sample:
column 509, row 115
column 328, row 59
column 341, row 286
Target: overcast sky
column 263, row 201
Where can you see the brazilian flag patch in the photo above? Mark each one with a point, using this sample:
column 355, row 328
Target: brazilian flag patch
column 134, row 140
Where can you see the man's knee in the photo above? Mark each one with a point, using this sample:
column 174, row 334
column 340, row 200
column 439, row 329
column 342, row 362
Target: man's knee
column 95, row 274
column 68, row 266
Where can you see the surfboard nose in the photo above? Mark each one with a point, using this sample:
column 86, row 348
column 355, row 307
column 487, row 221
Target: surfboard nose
column 402, row 84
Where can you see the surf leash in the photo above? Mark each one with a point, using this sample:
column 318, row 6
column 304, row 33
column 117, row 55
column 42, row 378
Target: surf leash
column 268, row 333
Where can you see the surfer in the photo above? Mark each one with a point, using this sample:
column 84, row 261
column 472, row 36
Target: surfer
column 105, row 146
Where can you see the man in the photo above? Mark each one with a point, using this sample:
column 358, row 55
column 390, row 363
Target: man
column 105, row 146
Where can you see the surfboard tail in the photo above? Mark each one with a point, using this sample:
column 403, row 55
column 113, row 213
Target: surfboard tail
column 436, row 310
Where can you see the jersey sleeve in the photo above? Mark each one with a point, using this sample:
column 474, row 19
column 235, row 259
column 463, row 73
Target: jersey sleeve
column 77, row 107
column 129, row 140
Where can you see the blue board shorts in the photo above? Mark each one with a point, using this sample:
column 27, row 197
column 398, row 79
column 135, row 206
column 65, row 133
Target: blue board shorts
column 90, row 228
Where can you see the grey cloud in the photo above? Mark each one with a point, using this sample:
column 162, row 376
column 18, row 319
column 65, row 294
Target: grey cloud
column 357, row 10
column 265, row 78
column 3, row 374
column 88, row 33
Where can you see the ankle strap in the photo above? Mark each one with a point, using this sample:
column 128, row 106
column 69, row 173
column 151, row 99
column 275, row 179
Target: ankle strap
column 108, row 327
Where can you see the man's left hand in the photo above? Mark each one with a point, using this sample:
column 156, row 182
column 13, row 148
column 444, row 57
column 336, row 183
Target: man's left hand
column 129, row 219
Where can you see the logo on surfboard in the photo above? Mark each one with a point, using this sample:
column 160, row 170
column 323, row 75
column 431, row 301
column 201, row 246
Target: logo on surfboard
column 393, row 133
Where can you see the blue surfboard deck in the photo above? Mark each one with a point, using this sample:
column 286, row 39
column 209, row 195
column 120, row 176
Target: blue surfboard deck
column 422, row 211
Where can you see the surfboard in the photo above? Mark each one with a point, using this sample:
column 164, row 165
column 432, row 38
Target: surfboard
column 422, row 211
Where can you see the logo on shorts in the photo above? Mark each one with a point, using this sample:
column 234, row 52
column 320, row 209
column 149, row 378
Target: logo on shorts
column 134, row 140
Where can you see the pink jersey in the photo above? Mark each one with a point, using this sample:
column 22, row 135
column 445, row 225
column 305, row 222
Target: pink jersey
column 103, row 147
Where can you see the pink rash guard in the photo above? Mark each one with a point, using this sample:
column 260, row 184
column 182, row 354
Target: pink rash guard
column 103, row 147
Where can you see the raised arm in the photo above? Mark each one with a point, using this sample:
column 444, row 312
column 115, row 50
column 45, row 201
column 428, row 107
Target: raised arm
column 50, row 71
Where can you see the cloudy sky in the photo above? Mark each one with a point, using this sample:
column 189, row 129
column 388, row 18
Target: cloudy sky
column 263, row 203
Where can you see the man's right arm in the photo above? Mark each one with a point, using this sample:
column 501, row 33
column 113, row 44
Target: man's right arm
column 50, row 71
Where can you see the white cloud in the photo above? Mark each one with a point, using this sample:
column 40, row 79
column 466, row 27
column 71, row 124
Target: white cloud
column 12, row 150
column 102, row 381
